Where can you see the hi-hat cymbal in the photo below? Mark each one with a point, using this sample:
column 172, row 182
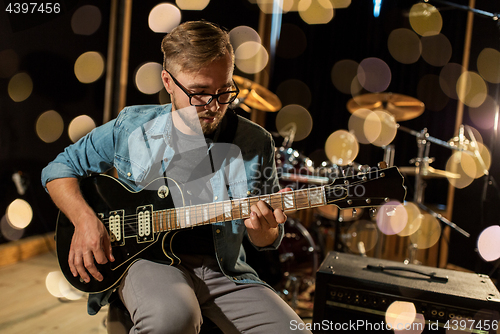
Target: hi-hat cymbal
column 256, row 96
column 402, row 107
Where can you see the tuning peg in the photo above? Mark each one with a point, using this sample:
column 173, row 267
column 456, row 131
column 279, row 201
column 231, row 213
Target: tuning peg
column 373, row 212
column 363, row 169
column 382, row 165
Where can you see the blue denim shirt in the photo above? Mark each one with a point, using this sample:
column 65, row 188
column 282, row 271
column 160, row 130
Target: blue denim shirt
column 141, row 136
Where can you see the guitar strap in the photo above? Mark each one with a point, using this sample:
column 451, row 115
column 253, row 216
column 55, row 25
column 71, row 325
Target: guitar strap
column 227, row 130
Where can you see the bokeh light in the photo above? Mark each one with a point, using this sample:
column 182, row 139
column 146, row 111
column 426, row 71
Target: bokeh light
column 343, row 73
column 436, row 49
column 9, row 63
column 251, row 57
column 361, row 231
column 53, row 283
column 454, row 166
column 425, row 19
column 389, row 127
column 316, row 11
column 164, row 96
column 292, row 43
column 340, row 3
column 341, row 147
column 377, row 127
column 374, row 75
column 391, row 218
column 148, row 78
column 10, row 232
column 487, row 243
column 428, row 233
column 296, row 117
column 478, row 160
column 448, row 78
column 192, row 4
column 364, row 127
column 471, row 89
column 417, row 327
column 79, row 127
column 164, row 17
column 243, row 34
column 404, row 45
column 484, row 115
column 488, row 65
column 20, row 87
column 356, row 87
column 86, row 20
column 294, row 91
column 49, row 126
column 274, row 6
column 414, row 219
column 400, row 315
column 430, row 93
column 19, row 213
column 89, row 67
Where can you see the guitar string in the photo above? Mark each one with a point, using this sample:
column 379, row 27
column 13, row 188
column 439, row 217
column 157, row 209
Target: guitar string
column 132, row 219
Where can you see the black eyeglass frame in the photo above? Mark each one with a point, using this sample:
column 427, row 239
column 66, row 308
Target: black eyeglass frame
column 212, row 96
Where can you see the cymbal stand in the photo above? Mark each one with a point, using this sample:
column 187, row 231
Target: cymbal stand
column 422, row 163
column 290, row 137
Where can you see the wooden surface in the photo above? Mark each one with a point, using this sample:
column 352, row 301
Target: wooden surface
column 27, row 307
column 20, row 250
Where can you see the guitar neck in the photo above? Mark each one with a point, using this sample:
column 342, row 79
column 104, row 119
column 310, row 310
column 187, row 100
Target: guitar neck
column 203, row 214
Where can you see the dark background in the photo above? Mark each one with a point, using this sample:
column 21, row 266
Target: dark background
column 47, row 49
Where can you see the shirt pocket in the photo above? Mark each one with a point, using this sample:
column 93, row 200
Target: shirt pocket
column 129, row 170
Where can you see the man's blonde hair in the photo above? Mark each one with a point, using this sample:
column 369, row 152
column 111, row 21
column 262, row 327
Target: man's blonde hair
column 193, row 45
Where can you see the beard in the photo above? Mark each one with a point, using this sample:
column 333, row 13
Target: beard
column 198, row 120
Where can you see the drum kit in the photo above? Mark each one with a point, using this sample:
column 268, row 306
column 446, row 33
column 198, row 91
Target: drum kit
column 334, row 229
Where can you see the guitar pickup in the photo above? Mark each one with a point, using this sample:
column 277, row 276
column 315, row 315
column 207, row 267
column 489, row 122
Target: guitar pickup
column 115, row 227
column 145, row 223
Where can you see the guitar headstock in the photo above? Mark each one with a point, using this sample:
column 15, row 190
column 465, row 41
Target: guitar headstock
column 372, row 188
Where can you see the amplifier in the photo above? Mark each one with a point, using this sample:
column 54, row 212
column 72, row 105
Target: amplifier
column 362, row 294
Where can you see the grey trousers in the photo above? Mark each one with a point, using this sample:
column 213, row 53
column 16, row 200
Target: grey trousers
column 167, row 299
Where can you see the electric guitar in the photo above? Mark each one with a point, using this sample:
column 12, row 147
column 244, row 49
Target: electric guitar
column 145, row 221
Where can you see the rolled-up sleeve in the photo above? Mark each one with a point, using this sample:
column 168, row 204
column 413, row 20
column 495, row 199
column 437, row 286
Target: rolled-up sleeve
column 93, row 153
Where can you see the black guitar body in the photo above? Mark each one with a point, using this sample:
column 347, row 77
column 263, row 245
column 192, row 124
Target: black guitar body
column 110, row 198
column 143, row 223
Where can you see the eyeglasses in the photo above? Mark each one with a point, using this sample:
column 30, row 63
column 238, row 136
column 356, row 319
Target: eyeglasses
column 203, row 99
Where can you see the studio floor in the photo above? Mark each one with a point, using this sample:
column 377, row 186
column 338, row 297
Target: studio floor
column 27, row 306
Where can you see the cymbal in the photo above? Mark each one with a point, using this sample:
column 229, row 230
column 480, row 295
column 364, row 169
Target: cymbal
column 402, row 107
column 429, row 172
column 256, row 96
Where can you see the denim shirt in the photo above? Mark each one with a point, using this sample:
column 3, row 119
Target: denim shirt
column 141, row 136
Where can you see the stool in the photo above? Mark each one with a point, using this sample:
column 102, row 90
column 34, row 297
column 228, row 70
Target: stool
column 118, row 320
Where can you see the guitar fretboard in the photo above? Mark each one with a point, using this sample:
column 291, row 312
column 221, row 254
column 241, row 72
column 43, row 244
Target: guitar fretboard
column 203, row 214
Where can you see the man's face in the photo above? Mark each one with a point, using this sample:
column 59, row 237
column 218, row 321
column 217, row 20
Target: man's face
column 212, row 79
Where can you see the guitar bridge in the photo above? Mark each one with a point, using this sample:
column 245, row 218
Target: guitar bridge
column 145, row 223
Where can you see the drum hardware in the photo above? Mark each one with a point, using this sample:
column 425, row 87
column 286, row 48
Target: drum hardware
column 422, row 170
